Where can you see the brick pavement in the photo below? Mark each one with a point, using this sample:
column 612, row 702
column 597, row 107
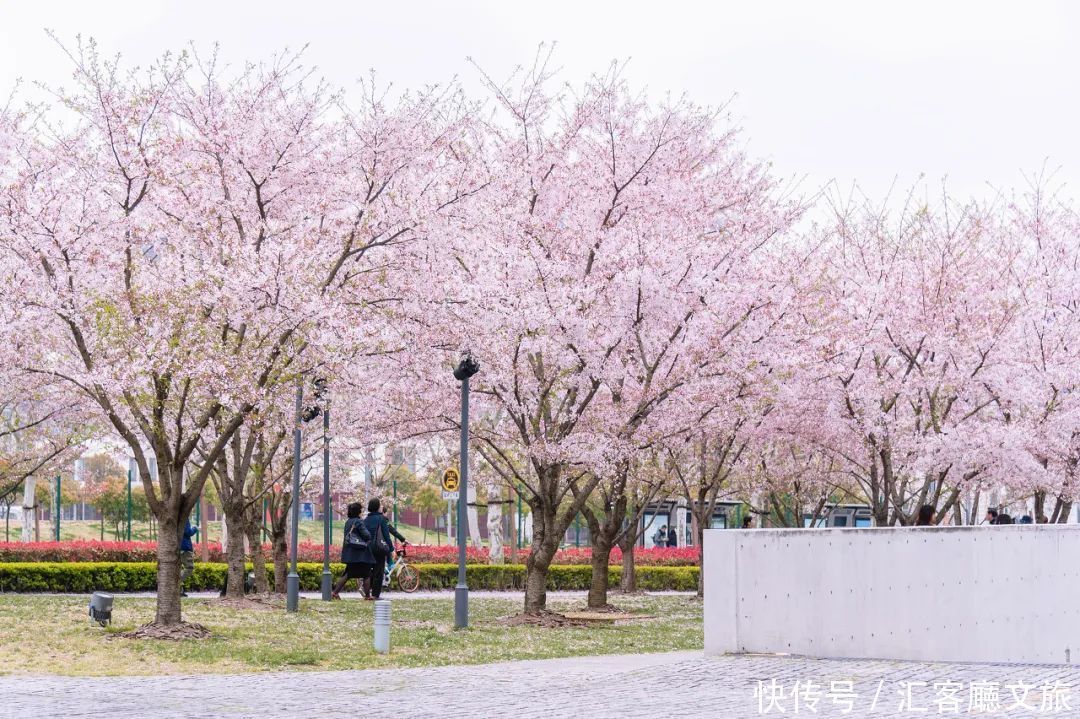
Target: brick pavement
column 656, row 686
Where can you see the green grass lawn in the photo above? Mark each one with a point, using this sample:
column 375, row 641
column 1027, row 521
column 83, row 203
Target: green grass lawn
column 53, row 635
column 310, row 531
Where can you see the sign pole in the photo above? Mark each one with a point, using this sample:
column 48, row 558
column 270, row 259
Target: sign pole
column 292, row 581
column 58, row 507
column 129, row 502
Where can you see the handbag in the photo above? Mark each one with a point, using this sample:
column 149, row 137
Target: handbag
column 354, row 540
column 381, row 547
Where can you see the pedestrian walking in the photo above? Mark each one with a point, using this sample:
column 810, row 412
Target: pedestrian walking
column 381, row 544
column 659, row 539
column 187, row 555
column 356, row 552
column 926, row 516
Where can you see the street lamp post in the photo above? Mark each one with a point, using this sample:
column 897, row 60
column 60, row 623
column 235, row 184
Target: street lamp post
column 462, row 373
column 292, row 582
column 327, row 579
column 292, row 585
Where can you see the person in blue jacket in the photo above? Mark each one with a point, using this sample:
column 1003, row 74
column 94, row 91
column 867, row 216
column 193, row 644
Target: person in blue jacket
column 187, row 555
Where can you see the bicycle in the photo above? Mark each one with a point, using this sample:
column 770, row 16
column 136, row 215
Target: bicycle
column 407, row 576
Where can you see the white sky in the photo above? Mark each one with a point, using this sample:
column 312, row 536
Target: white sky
column 867, row 91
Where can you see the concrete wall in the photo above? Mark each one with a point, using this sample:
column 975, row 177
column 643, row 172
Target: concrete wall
column 993, row 594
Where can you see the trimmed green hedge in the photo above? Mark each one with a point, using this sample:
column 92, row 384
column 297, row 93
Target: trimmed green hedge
column 561, row 576
column 80, row 577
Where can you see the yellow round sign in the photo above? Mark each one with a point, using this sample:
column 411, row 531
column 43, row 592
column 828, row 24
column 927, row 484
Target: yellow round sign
column 450, row 480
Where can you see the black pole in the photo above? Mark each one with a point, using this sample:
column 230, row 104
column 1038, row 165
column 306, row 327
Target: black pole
column 461, row 591
column 327, row 579
column 464, row 371
column 292, row 582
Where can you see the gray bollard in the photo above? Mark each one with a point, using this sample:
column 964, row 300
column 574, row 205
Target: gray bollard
column 382, row 626
column 101, row 608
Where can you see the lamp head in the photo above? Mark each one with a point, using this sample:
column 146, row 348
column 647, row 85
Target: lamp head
column 466, row 369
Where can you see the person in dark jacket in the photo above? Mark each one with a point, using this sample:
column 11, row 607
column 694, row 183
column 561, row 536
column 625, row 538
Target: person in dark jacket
column 377, row 524
column 672, row 537
column 926, row 516
column 358, row 559
column 187, row 555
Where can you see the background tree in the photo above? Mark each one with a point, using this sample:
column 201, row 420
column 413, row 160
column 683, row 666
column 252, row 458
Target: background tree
column 427, row 501
column 1043, row 382
column 110, row 498
column 909, row 389
column 598, row 193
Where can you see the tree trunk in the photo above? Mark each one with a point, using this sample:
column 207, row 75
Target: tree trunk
column 598, row 586
column 473, row 517
column 252, row 527
column 699, row 541
column 234, row 549
column 204, row 530
column 168, row 574
column 603, row 532
column 28, row 510
column 536, row 569
column 281, row 558
column 515, row 526
column 495, row 530
column 628, row 582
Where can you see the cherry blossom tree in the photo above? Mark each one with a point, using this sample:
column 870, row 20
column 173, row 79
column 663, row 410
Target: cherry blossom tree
column 43, row 428
column 1043, row 381
column 611, row 244
column 200, row 238
column 786, row 483
column 917, row 309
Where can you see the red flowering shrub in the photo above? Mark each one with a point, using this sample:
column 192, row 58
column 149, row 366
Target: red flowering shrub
column 87, row 551
column 654, row 557
column 94, row 551
column 445, row 554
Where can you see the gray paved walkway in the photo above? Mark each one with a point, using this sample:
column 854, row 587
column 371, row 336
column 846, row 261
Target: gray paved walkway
column 677, row 685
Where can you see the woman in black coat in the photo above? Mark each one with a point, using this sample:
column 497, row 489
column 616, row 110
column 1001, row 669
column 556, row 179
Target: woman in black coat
column 357, row 557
